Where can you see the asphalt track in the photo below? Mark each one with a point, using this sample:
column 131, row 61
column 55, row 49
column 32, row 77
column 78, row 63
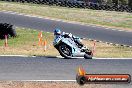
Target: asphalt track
column 97, row 33
column 51, row 68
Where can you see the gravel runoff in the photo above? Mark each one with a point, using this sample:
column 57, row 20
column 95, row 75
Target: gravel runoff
column 36, row 84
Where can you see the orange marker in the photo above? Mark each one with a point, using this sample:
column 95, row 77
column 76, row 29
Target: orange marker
column 45, row 45
column 6, row 41
column 40, row 38
column 94, row 46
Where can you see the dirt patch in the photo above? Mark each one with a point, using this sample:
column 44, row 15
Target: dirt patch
column 19, row 84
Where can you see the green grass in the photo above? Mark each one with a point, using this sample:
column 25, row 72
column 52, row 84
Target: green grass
column 122, row 20
column 23, row 35
column 26, row 43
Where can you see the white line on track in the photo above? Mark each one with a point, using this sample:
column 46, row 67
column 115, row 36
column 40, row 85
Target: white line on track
column 95, row 58
column 113, row 29
column 46, row 80
column 57, row 57
column 16, row 56
column 111, row 58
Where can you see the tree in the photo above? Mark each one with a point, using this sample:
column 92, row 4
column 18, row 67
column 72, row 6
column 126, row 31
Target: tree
column 115, row 1
column 130, row 3
column 124, row 2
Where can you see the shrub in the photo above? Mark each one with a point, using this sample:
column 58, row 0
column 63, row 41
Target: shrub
column 7, row 29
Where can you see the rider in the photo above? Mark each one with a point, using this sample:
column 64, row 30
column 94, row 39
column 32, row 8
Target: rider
column 57, row 33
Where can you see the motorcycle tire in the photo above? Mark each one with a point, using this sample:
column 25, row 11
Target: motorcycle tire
column 86, row 56
column 62, row 53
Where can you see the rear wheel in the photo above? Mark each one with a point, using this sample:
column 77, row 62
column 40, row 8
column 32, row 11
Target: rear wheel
column 86, row 56
column 65, row 51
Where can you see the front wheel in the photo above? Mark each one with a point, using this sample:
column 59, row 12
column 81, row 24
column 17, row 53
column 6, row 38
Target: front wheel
column 65, row 51
column 86, row 56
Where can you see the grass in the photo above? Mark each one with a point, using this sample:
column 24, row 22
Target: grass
column 26, row 43
column 109, row 51
column 121, row 20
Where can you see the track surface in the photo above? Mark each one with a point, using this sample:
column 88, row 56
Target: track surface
column 49, row 68
column 98, row 33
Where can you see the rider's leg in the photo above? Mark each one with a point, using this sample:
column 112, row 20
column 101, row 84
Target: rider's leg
column 79, row 43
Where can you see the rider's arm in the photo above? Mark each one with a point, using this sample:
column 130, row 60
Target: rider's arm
column 67, row 35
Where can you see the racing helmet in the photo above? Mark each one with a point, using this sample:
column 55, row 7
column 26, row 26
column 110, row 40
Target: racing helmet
column 57, row 31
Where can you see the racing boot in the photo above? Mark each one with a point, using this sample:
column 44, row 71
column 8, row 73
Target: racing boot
column 84, row 49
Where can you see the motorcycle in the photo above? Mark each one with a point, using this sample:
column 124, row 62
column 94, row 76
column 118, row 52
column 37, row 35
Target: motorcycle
column 69, row 49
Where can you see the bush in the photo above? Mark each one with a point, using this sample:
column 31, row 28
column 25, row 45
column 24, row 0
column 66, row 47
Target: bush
column 7, row 29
